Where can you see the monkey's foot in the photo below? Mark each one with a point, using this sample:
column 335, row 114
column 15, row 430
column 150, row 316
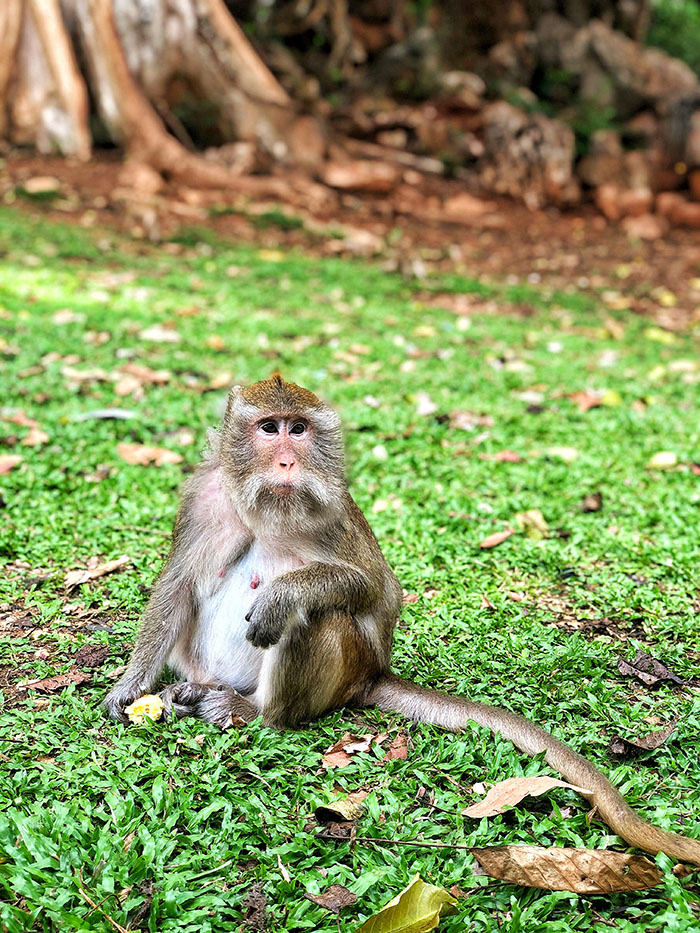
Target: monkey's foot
column 216, row 703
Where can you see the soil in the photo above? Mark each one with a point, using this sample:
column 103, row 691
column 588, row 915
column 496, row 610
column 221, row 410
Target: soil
column 575, row 250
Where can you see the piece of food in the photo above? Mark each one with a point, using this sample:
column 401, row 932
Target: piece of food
column 146, row 707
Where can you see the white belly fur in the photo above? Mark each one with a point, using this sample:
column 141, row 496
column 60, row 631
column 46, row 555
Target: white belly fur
column 218, row 649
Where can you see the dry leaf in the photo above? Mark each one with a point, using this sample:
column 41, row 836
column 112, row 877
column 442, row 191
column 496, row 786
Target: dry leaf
column 19, row 418
column 255, row 904
column 503, row 456
column 585, row 400
column 498, row 537
column 649, row 670
column 511, row 791
column 35, row 438
column 424, row 404
column 593, row 502
column 469, row 420
column 532, row 522
column 344, row 809
column 583, row 871
column 340, row 754
column 625, row 747
column 567, row 454
column 417, row 909
column 51, row 684
column 333, row 898
column 160, row 334
column 9, row 462
column 663, row 460
column 144, row 454
column 76, row 577
column 398, row 749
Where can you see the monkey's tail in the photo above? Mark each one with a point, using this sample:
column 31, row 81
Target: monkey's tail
column 394, row 694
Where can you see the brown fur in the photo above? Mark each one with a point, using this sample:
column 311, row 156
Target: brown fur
column 320, row 608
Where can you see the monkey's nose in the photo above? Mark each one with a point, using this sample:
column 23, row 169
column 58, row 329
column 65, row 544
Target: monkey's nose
column 287, row 463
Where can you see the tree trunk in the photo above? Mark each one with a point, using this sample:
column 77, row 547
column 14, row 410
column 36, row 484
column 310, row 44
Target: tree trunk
column 139, row 58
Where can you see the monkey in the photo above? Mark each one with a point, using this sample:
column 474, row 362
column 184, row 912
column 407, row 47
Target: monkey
column 276, row 600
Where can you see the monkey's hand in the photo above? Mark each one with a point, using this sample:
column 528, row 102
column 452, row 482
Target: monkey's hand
column 216, row 703
column 271, row 614
column 120, row 696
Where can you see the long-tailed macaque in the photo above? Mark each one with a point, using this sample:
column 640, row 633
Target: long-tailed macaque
column 276, row 600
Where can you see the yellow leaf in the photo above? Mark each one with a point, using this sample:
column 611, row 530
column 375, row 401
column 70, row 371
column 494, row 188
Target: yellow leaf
column 417, row 909
column 611, row 399
column 533, row 524
column 270, row 255
column 659, row 335
column 146, row 707
column 663, row 460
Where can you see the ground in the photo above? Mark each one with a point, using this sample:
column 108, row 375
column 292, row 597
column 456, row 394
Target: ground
column 468, row 397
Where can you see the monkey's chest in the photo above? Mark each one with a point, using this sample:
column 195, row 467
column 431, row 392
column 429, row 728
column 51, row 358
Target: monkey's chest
column 219, row 645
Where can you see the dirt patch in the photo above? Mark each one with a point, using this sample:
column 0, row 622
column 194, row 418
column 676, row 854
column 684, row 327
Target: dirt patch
column 569, row 251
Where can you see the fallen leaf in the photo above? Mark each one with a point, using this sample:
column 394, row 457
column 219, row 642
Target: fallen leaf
column 77, row 577
column 343, row 809
column 659, row 335
column 508, row 793
column 340, row 754
column 469, row 420
column 593, row 502
column 625, row 747
column 567, row 454
column 583, row 871
column 498, row 537
column 59, row 682
column 649, row 670
column 533, row 523
column 9, row 462
column 160, row 333
column 34, row 438
column 144, row 454
column 333, row 898
column 398, row 749
column 503, row 456
column 220, row 381
column 424, row 404
column 663, row 460
column 255, row 904
column 19, row 418
column 416, row 909
column 585, row 400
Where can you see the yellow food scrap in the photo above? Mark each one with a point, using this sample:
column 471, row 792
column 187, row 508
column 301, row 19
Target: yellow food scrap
column 146, row 707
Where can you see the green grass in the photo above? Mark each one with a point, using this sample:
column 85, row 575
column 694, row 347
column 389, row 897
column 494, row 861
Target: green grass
column 167, row 827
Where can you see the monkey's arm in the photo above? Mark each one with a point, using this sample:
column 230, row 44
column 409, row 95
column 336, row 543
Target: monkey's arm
column 294, row 597
column 170, row 610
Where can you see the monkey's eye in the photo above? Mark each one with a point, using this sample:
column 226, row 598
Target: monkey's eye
column 269, row 427
column 298, row 428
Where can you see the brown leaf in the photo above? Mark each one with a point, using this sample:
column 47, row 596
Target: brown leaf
column 19, row 418
column 503, row 456
column 511, row 791
column 333, row 898
column 649, row 670
column 255, row 904
column 469, row 420
column 583, row 871
column 340, row 754
column 498, row 537
column 59, row 682
column 77, row 577
column 9, row 462
column 398, row 749
column 646, row 743
column 343, row 809
column 593, row 502
column 585, row 400
column 35, row 438
column 144, row 454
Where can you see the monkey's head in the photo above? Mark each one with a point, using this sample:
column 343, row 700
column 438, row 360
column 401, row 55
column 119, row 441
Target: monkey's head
column 282, row 453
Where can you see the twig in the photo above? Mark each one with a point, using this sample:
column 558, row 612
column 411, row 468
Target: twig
column 399, row 842
column 86, row 897
column 210, row 871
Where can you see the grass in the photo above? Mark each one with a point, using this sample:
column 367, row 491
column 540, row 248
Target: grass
column 168, row 827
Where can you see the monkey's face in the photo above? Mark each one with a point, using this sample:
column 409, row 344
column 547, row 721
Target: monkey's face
column 283, row 454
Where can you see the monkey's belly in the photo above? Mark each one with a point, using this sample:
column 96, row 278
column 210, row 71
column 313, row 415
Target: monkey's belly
column 217, row 649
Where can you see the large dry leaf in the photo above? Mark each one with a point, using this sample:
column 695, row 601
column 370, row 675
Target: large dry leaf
column 649, row 670
column 416, row 909
column 144, row 454
column 343, row 809
column 646, row 743
column 398, row 749
column 341, row 753
column 498, row 537
column 19, row 418
column 533, row 523
column 333, row 898
column 9, row 462
column 76, row 577
column 35, row 438
column 59, row 682
column 586, row 400
column 511, row 791
column 583, row 871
